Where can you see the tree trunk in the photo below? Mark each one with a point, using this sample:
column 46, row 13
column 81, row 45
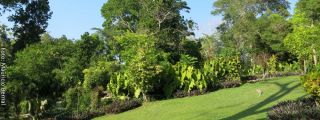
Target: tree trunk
column 304, row 66
column 144, row 96
column 315, row 59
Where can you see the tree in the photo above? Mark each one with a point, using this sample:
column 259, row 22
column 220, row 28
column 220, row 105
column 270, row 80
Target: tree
column 7, row 5
column 30, row 20
column 243, row 33
column 239, row 31
column 141, row 62
column 89, row 50
column 311, row 9
column 160, row 18
column 5, row 42
column 304, row 41
column 32, row 76
column 210, row 46
column 272, row 29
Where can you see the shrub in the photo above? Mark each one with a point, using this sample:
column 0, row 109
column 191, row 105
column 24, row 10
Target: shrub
column 286, row 67
column 255, row 69
column 311, row 82
column 188, row 60
column 304, row 109
column 81, row 104
column 190, row 78
column 221, row 70
column 119, row 106
column 272, row 65
column 168, row 80
column 99, row 74
column 24, row 107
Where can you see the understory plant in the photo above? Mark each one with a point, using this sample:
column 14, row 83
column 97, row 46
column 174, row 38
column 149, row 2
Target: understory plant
column 311, row 83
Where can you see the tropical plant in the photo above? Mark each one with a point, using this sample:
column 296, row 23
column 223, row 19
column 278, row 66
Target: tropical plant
column 272, row 65
column 311, row 83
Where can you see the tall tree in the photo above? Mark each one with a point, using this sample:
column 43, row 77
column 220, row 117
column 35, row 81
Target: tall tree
column 272, row 29
column 87, row 51
column 33, row 78
column 304, row 41
column 239, row 31
column 210, row 46
column 30, row 20
column 160, row 18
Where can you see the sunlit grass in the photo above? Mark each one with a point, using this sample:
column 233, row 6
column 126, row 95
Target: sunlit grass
column 229, row 104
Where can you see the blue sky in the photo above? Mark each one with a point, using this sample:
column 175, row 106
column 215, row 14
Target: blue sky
column 74, row 17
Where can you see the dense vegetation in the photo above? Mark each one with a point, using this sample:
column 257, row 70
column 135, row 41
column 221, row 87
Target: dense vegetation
column 145, row 51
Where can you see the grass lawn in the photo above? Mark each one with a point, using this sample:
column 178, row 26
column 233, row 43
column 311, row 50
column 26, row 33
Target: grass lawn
column 227, row 104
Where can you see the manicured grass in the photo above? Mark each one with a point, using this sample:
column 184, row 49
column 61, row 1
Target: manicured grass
column 226, row 104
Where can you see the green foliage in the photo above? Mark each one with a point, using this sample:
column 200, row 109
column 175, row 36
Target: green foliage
column 37, row 73
column 303, row 40
column 219, row 70
column 190, row 78
column 120, row 15
column 143, row 52
column 272, row 64
column 310, row 8
column 188, row 60
column 99, row 74
column 86, row 52
column 168, row 80
column 252, row 27
column 255, row 70
column 161, row 19
column 142, row 63
column 24, row 106
column 311, row 83
column 119, row 86
column 286, row 67
column 81, row 101
column 142, row 71
column 33, row 78
column 191, row 48
column 273, row 28
column 210, row 76
column 30, row 19
column 210, row 46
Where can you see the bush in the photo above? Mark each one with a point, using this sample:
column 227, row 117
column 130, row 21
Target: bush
column 311, row 82
column 272, row 65
column 190, row 78
column 99, row 74
column 81, row 104
column 293, row 67
column 304, row 109
column 220, row 70
column 119, row 106
column 255, row 70
column 24, row 107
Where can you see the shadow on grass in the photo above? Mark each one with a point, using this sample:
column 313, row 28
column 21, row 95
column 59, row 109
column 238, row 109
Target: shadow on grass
column 284, row 89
